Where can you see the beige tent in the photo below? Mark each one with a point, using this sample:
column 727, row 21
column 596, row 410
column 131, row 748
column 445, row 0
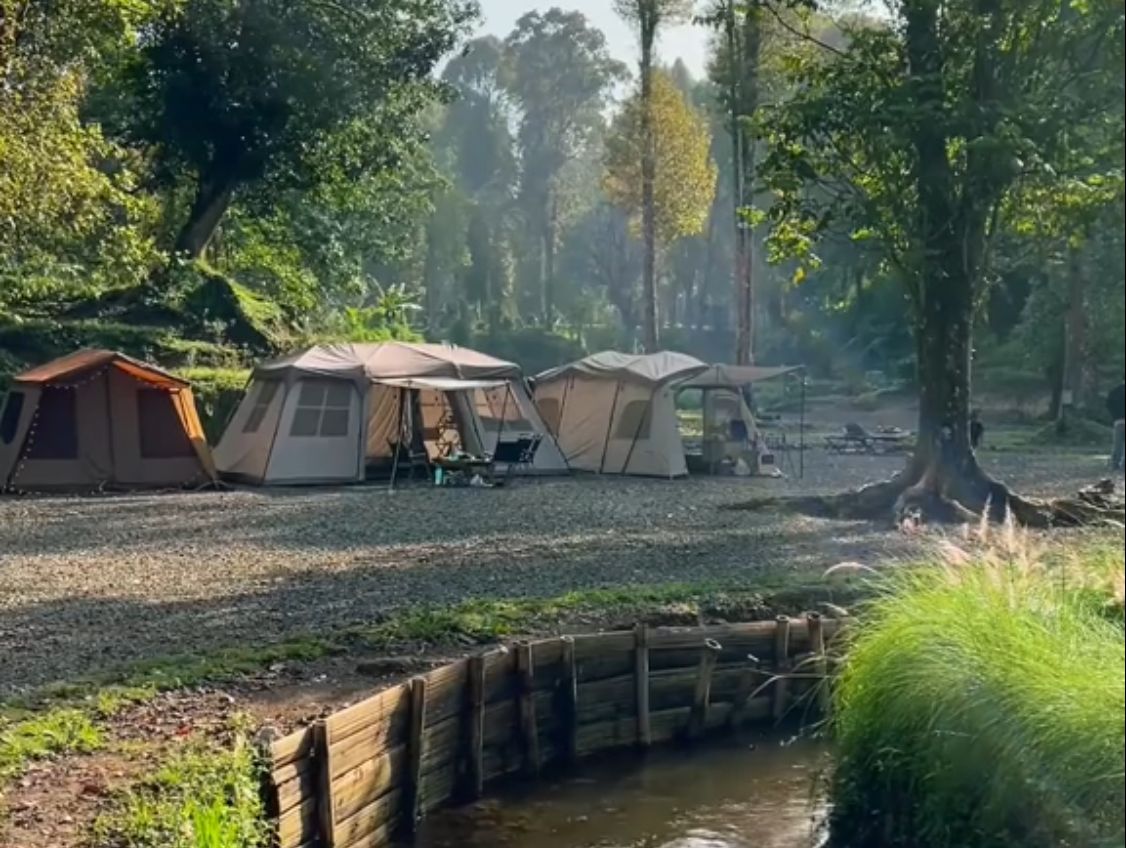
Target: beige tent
column 99, row 419
column 613, row 413
column 338, row 413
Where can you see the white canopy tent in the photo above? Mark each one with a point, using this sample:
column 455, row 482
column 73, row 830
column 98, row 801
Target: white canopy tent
column 614, row 413
column 337, row 413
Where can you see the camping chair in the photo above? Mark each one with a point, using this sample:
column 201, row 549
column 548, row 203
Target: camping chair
column 520, row 453
column 854, row 439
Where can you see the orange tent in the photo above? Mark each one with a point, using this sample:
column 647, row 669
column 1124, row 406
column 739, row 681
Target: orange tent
column 98, row 418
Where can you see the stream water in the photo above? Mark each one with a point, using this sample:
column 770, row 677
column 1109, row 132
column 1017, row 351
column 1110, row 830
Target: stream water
column 758, row 792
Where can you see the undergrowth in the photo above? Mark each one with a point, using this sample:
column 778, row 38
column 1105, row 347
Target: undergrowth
column 982, row 703
column 199, row 798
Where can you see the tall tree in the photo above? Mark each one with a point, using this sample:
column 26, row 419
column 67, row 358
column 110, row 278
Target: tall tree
column 242, row 92
column 649, row 16
column 559, row 75
column 919, row 132
column 681, row 196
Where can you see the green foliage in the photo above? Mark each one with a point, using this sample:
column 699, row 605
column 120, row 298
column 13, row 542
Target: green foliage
column 1006, row 661
column 199, row 798
column 685, row 173
column 53, row 733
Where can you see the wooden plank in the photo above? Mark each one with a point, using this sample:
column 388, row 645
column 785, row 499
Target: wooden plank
column 547, row 655
column 295, row 746
column 590, row 645
column 367, row 782
column 445, row 691
column 415, row 748
column 369, row 716
column 641, row 684
column 369, row 820
column 326, row 818
column 378, row 738
column 569, row 700
column 748, row 680
column 293, row 784
column 500, row 678
column 782, row 631
column 525, row 664
column 475, row 730
column 379, row 838
column 698, row 718
column 298, row 824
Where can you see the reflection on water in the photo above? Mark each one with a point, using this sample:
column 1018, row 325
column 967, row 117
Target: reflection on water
column 735, row 794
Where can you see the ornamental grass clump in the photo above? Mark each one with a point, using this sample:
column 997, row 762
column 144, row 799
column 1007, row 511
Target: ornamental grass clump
column 982, row 702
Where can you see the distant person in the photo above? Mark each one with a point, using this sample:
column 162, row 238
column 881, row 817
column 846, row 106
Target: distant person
column 977, row 429
column 1116, row 406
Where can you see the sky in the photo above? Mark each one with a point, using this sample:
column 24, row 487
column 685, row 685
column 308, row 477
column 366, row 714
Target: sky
column 685, row 42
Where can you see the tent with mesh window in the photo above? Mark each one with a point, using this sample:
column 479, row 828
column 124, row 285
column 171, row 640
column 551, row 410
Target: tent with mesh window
column 614, row 413
column 340, row 413
column 99, row 419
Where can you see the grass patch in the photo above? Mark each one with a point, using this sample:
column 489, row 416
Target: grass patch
column 199, row 798
column 982, row 705
column 53, row 733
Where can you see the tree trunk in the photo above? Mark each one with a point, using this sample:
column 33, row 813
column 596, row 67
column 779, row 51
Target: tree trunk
column 213, row 197
column 551, row 223
column 648, row 198
column 1075, row 337
column 745, row 150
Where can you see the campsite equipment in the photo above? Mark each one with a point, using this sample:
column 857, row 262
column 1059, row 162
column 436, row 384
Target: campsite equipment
column 99, row 419
column 730, row 430
column 613, row 413
column 856, row 439
column 338, row 413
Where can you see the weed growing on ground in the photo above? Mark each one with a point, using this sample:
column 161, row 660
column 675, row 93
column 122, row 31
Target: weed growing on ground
column 200, row 798
column 982, row 703
column 55, row 732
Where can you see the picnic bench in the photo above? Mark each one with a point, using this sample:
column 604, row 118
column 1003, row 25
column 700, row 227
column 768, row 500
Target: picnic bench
column 855, row 439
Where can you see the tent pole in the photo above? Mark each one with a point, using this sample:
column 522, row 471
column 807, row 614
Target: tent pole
column 398, row 446
column 609, row 427
column 801, row 430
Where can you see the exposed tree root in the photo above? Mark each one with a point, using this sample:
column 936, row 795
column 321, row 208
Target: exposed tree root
column 932, row 496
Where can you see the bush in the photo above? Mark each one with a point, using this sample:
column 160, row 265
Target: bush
column 534, row 349
column 982, row 705
column 217, row 393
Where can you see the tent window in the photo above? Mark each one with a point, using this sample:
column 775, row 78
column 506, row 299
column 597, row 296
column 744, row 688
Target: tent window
column 323, row 409
column 10, row 421
column 266, row 392
column 550, row 410
column 56, row 425
column 161, row 430
column 633, row 423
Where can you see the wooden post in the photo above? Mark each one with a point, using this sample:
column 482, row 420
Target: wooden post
column 698, row 717
column 417, row 723
column 641, row 684
column 526, row 670
column 475, row 767
column 569, row 706
column 820, row 663
column 326, row 817
column 781, row 666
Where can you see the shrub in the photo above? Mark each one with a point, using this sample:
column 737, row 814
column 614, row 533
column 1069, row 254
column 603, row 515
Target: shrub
column 982, row 705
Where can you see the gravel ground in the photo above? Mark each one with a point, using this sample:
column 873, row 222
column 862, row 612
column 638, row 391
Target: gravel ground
column 89, row 583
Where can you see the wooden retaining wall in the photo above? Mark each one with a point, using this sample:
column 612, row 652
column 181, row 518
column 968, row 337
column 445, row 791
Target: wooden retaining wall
column 372, row 770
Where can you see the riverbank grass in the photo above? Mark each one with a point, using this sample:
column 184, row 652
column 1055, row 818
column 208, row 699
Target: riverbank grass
column 982, row 704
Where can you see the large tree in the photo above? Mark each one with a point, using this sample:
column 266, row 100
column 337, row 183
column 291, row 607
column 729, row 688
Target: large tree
column 559, row 74
column 918, row 134
column 237, row 92
column 649, row 16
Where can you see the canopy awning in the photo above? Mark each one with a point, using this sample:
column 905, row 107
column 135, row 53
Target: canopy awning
column 82, row 362
column 735, row 376
column 648, row 369
column 442, row 384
